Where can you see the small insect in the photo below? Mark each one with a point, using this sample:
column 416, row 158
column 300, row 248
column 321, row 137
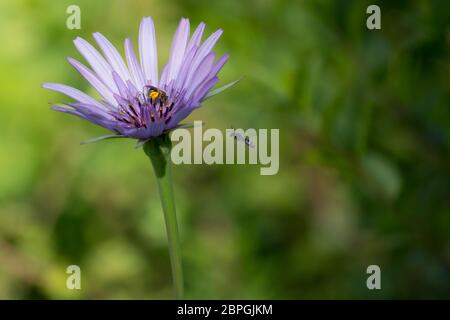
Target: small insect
column 238, row 137
column 156, row 94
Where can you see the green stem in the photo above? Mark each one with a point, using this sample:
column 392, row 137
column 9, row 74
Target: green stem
column 158, row 150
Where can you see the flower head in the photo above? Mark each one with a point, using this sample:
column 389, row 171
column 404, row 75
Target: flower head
column 136, row 102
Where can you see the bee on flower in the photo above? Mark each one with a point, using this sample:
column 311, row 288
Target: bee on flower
column 136, row 101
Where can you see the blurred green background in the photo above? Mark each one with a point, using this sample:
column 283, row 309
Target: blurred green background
column 364, row 157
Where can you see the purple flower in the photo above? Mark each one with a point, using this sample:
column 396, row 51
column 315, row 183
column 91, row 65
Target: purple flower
column 136, row 102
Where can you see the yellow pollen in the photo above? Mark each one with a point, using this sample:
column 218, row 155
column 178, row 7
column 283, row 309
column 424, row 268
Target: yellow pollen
column 154, row 95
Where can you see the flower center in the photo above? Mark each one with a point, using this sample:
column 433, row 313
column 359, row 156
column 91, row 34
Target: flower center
column 151, row 105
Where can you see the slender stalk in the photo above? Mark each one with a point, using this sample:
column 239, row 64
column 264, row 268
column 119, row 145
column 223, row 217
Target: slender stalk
column 158, row 150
